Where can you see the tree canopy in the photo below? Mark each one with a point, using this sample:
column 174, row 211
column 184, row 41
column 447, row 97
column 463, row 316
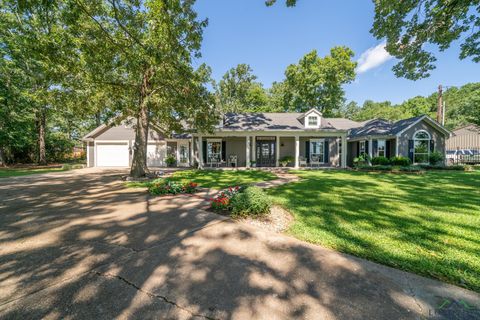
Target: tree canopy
column 317, row 82
column 238, row 91
column 412, row 28
column 462, row 107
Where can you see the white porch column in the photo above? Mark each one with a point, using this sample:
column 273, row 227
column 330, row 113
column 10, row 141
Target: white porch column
column 254, row 148
column 297, row 151
column 277, row 152
column 370, row 147
column 344, row 152
column 200, row 152
column 191, row 152
column 247, row 150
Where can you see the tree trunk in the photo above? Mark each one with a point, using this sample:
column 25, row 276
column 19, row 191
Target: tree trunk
column 139, row 161
column 3, row 160
column 98, row 119
column 42, row 158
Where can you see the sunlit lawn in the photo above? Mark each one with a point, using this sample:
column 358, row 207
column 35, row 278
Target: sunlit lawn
column 14, row 172
column 428, row 224
column 217, row 179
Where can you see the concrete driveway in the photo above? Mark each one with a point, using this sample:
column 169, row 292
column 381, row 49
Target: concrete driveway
column 79, row 245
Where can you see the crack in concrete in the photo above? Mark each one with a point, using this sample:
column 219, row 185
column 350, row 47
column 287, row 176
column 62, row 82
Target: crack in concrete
column 118, row 259
column 412, row 294
column 153, row 295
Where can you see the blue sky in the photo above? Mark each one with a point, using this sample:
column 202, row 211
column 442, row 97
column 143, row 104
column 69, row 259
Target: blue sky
column 271, row 38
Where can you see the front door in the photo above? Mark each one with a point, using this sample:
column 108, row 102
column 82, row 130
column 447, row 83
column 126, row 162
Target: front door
column 265, row 153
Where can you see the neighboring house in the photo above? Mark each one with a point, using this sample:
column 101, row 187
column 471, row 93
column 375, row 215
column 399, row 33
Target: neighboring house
column 466, row 137
column 463, row 147
column 263, row 139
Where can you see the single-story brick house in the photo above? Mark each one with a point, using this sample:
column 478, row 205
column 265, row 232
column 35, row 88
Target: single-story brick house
column 263, row 139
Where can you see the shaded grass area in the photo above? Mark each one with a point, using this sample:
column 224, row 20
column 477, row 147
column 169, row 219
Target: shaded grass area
column 427, row 224
column 216, row 179
column 15, row 172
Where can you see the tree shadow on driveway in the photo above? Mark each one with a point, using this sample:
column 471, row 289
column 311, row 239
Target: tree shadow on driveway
column 85, row 247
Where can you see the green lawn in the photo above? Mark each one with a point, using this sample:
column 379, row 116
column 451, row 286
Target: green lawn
column 427, row 224
column 216, row 179
column 14, row 172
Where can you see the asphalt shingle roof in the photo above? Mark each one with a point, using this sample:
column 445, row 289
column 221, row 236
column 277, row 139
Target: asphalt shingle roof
column 280, row 121
column 382, row 127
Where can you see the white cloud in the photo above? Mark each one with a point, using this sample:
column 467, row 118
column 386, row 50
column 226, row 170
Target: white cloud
column 372, row 58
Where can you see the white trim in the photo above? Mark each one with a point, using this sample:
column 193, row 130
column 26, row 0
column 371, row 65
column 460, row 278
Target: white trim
column 247, row 151
column 88, row 154
column 370, row 147
column 213, row 140
column 360, row 147
column 343, row 160
column 200, row 152
column 312, row 110
column 111, row 141
column 384, row 148
column 396, row 147
column 311, row 126
column 95, row 144
column 322, row 140
column 297, row 151
column 277, row 151
column 428, row 145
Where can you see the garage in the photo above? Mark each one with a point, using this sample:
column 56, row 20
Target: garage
column 156, row 154
column 112, row 154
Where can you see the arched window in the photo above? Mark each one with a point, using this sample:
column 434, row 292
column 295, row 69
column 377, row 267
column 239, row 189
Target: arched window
column 421, row 147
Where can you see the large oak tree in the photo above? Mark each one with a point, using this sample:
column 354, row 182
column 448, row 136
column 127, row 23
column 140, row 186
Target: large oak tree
column 139, row 53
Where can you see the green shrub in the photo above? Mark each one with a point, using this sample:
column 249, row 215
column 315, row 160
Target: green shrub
column 170, row 161
column 252, row 201
column 435, row 158
column 400, row 161
column 286, row 160
column 391, row 168
column 452, row 168
column 383, row 161
column 362, row 160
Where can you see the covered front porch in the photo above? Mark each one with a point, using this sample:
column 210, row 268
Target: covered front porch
column 386, row 146
column 267, row 150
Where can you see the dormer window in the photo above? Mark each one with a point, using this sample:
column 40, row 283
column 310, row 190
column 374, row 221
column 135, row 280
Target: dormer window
column 313, row 121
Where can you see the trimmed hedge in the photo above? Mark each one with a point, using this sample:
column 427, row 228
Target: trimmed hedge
column 400, row 161
column 252, row 201
column 380, row 161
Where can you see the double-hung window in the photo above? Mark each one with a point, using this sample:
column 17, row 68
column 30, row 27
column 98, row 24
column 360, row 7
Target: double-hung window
column 214, row 150
column 317, row 150
column 381, row 148
column 312, row 121
column 362, row 147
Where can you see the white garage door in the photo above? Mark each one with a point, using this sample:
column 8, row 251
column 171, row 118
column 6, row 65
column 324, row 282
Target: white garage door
column 112, row 154
column 156, row 154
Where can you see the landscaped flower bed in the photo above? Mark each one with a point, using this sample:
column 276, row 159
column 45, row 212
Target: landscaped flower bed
column 166, row 186
column 222, row 201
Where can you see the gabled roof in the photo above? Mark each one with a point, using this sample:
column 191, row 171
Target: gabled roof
column 467, row 129
column 381, row 127
column 312, row 110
